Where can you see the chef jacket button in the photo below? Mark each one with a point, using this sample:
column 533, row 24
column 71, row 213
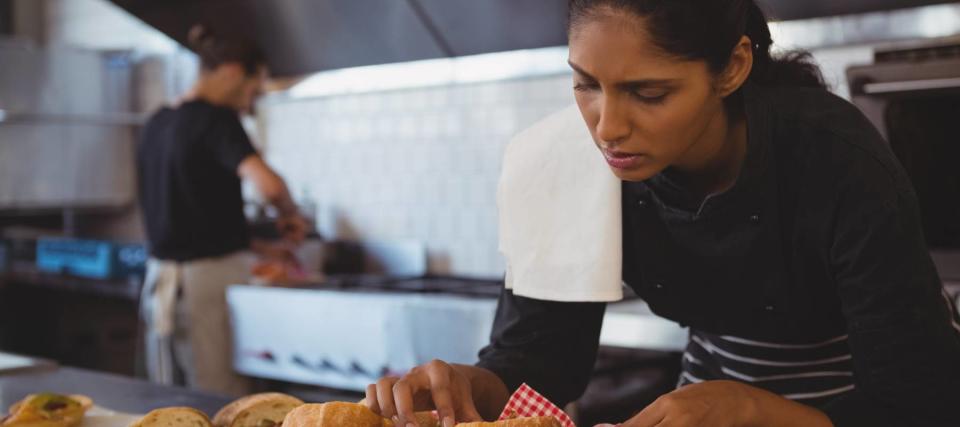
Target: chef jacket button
column 769, row 308
column 754, row 218
column 658, row 286
column 641, row 203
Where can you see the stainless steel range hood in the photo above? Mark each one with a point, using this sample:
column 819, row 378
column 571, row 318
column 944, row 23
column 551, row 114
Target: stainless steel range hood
column 305, row 36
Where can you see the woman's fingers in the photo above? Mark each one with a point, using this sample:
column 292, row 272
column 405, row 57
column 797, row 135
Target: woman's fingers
column 444, row 403
column 467, row 409
column 370, row 400
column 403, row 391
column 385, row 396
column 650, row 416
column 449, row 390
column 441, row 392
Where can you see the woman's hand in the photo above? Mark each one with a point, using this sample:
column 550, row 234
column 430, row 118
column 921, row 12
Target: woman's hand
column 725, row 404
column 450, row 389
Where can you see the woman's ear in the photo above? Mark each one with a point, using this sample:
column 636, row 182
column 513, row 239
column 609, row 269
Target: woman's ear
column 738, row 68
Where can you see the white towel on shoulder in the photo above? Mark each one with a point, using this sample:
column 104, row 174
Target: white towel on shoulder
column 560, row 218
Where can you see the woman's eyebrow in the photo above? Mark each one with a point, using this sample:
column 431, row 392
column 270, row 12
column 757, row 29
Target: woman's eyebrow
column 579, row 70
column 629, row 84
column 647, row 83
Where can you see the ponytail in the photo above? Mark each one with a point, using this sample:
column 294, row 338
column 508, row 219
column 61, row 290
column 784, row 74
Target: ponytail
column 794, row 68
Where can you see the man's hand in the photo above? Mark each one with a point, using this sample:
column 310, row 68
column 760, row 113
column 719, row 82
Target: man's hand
column 293, row 228
column 274, row 251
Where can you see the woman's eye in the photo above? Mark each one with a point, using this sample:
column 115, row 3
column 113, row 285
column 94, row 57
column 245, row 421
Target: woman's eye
column 650, row 98
column 584, row 87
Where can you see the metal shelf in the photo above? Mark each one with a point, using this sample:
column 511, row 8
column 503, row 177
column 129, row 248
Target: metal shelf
column 99, row 119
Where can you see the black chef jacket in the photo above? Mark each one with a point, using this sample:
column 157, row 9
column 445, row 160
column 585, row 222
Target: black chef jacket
column 820, row 236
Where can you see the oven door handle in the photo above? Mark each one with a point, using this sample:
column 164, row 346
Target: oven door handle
column 911, row 86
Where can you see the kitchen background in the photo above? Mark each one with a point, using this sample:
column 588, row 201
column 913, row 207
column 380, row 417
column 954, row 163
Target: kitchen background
column 406, row 151
column 432, row 154
column 383, row 145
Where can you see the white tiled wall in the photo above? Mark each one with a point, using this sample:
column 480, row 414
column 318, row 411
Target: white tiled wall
column 419, row 163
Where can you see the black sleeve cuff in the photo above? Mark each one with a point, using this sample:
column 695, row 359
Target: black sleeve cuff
column 510, row 377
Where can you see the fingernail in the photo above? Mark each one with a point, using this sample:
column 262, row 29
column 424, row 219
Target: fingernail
column 411, row 425
column 448, row 422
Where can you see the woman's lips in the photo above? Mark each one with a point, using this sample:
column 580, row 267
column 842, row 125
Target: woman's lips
column 620, row 160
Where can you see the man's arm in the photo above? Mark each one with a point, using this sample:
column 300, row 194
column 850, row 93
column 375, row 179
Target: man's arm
column 274, row 189
column 268, row 183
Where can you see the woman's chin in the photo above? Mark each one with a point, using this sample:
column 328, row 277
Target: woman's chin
column 637, row 174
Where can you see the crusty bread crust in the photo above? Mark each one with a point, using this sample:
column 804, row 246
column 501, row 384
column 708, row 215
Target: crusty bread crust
column 253, row 410
column 345, row 414
column 340, row 414
column 424, row 419
column 176, row 416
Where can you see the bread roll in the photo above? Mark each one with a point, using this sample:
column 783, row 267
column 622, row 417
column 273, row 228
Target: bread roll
column 176, row 416
column 345, row 414
column 424, row 419
column 333, row 414
column 517, row 422
column 47, row 410
column 257, row 410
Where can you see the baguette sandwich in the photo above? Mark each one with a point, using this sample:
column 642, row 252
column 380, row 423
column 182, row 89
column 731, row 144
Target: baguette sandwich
column 47, row 410
column 345, row 414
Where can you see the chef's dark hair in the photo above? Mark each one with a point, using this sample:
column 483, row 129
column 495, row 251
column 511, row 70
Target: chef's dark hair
column 708, row 30
column 215, row 50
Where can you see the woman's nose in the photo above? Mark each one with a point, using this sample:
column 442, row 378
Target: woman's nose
column 613, row 126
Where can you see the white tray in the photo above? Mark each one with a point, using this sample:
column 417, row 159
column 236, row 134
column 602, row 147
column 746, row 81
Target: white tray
column 102, row 417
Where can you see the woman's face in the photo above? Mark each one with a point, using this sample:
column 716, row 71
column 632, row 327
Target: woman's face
column 646, row 110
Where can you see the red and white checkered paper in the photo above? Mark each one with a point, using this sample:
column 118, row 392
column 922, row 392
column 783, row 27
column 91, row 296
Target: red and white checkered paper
column 526, row 402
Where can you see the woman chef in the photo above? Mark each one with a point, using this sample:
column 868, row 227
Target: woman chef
column 759, row 210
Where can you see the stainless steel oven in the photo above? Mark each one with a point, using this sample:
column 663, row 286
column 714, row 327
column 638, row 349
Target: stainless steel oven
column 912, row 94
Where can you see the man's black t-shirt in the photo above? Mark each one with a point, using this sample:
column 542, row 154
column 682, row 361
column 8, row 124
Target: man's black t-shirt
column 189, row 188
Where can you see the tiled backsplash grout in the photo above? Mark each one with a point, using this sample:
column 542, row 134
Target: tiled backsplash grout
column 416, row 164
